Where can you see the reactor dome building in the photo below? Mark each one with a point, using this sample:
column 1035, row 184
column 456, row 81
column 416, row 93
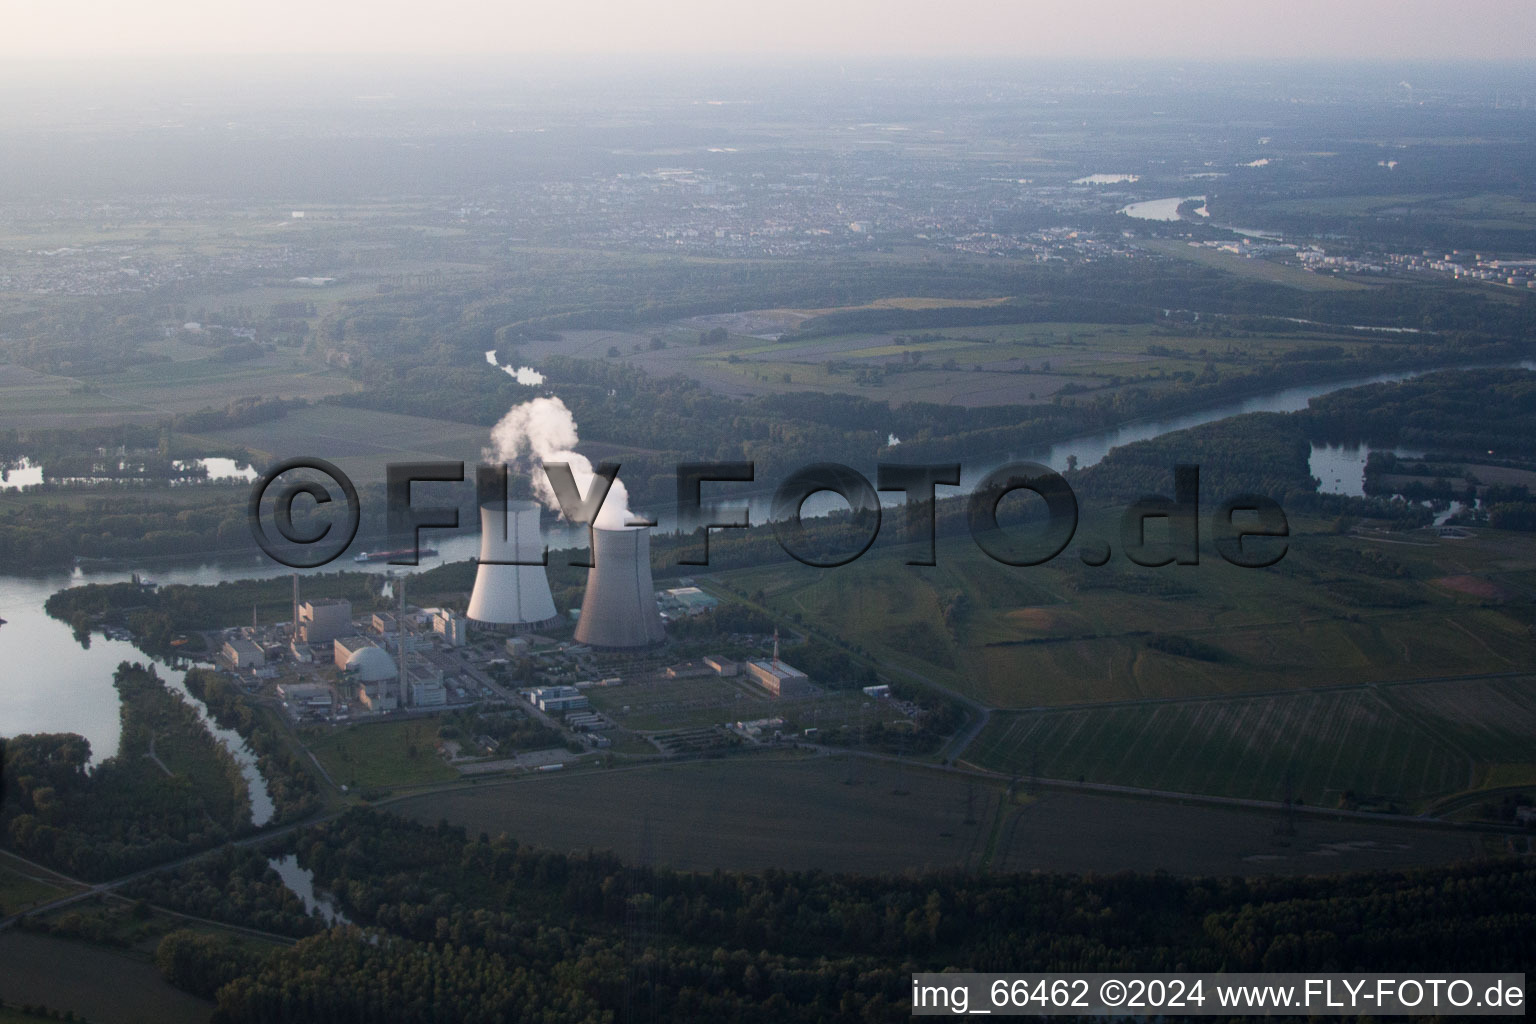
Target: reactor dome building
column 618, row 611
column 507, row 595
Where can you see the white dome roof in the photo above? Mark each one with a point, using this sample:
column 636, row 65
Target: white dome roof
column 372, row 665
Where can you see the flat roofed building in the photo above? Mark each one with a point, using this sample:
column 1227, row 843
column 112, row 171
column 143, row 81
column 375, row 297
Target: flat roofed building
column 308, row 694
column 343, row 647
column 428, row 694
column 242, row 653
column 722, row 666
column 325, row 620
column 419, row 667
column 413, row 642
column 779, row 679
column 454, row 629
column 558, row 699
column 306, row 698
column 379, row 696
column 686, row 601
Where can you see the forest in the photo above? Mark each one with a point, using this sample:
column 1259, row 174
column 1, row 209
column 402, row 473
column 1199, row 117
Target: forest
column 483, row 928
column 170, row 789
column 290, row 782
column 130, row 810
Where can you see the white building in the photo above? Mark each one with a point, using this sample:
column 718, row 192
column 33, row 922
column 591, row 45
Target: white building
column 558, row 699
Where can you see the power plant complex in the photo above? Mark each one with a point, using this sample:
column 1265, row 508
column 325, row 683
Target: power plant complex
column 514, row 653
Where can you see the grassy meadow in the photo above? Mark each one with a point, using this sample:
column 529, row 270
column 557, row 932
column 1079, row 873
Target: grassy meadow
column 1065, row 633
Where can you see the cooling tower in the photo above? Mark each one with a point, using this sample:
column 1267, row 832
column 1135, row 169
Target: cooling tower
column 619, row 609
column 514, row 596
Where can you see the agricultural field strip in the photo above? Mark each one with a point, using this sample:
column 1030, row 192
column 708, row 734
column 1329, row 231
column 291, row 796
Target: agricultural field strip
column 1433, row 723
column 1371, row 743
column 1505, row 719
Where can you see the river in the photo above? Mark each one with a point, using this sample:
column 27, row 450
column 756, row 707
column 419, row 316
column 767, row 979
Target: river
column 1166, row 210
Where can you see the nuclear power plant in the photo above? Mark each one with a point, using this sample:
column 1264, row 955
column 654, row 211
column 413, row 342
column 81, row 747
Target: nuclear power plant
column 513, row 597
column 619, row 610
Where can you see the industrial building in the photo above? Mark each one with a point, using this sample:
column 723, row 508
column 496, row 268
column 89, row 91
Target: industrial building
column 413, row 642
column 508, row 595
column 685, row 601
column 306, row 698
column 374, row 673
column 343, row 647
column 323, row 621
column 689, row 670
column 418, row 667
column 722, row 666
column 242, row 653
column 618, row 610
column 377, row 696
column 428, row 694
column 454, row 629
column 779, row 679
column 558, row 699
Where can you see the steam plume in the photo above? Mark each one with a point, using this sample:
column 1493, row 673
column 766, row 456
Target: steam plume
column 543, row 431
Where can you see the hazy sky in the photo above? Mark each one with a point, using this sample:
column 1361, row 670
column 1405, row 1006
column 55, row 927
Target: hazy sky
column 1097, row 28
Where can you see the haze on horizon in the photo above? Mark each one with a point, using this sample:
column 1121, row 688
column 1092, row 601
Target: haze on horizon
column 1218, row 29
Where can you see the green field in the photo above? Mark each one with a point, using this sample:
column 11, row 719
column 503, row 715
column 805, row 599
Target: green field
column 102, row 985
column 1493, row 720
column 361, row 441
column 153, row 391
column 697, row 702
column 982, row 365
column 381, row 754
column 1257, row 269
column 865, row 815
column 1021, row 363
column 1064, row 633
column 1320, row 746
column 23, row 887
column 1482, row 210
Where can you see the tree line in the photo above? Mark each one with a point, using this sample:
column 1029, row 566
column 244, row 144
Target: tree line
column 457, row 927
